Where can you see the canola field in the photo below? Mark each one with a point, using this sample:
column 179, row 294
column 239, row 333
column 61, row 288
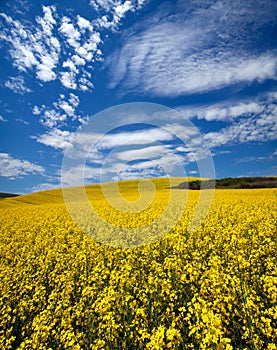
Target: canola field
column 211, row 288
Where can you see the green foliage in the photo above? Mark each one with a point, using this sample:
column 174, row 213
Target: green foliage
column 228, row 182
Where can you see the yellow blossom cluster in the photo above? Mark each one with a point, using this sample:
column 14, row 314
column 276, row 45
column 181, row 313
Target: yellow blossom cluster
column 214, row 287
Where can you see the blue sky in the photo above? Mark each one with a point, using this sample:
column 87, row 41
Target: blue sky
column 62, row 62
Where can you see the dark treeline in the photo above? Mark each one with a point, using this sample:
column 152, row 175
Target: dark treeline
column 228, row 182
column 7, row 195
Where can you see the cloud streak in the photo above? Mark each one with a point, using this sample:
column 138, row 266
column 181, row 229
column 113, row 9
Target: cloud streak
column 150, row 151
column 195, row 50
column 229, row 111
column 11, row 167
column 244, row 121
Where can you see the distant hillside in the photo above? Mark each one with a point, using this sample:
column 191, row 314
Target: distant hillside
column 95, row 191
column 228, row 182
column 127, row 187
column 7, row 195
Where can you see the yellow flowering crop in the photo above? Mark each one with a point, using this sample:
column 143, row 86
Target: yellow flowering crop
column 211, row 288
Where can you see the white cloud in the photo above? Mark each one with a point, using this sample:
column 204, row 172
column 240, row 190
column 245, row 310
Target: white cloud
column 144, row 153
column 257, row 128
column 120, row 11
column 45, row 187
column 85, row 82
column 40, row 47
column 17, row 85
column 71, row 33
column 225, row 112
column 52, row 118
column 133, row 174
column 247, row 120
column 11, row 167
column 166, row 163
column 182, row 149
column 20, row 120
column 85, row 48
column 71, row 66
column 36, row 110
column 68, row 79
column 155, row 150
column 260, row 69
column 82, row 51
column 102, row 4
column 47, row 22
column 34, row 47
column 143, row 137
column 94, row 146
column 253, row 159
column 114, row 11
column 195, row 50
column 127, row 154
column 159, row 159
column 2, row 119
column 79, row 175
column 83, row 23
column 184, row 132
column 91, row 46
column 45, row 72
column 57, row 116
column 111, row 5
column 56, row 138
column 69, row 110
column 79, row 61
column 103, row 23
column 74, row 100
column 118, row 166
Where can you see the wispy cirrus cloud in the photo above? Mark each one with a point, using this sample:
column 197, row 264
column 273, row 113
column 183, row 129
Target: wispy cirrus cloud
column 2, row 119
column 253, row 129
column 149, row 151
column 136, row 153
column 192, row 49
column 45, row 186
column 266, row 157
column 154, row 149
column 104, row 142
column 230, row 110
column 246, row 120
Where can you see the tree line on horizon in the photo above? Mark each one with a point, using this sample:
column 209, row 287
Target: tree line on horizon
column 229, row 182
